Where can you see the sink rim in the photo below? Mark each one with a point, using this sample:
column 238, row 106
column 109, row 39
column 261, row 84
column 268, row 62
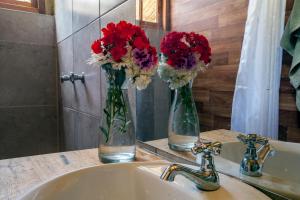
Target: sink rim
column 265, row 182
column 53, row 179
column 43, row 185
column 281, row 145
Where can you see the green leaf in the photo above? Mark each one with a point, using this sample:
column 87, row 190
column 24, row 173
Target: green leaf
column 106, row 112
column 127, row 123
column 105, row 132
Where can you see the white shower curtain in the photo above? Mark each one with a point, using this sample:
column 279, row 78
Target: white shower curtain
column 256, row 98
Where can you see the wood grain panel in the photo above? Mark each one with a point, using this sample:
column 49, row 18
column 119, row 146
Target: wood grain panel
column 223, row 23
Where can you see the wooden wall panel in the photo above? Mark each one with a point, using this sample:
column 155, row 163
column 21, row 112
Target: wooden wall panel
column 223, row 23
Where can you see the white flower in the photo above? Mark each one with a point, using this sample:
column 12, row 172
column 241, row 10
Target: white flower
column 142, row 82
column 138, row 77
column 99, row 59
column 177, row 78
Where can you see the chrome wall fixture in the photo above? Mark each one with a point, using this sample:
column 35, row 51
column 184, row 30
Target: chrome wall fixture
column 79, row 77
column 64, row 78
column 73, row 77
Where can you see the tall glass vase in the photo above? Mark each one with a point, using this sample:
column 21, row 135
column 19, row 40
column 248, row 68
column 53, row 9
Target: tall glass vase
column 183, row 121
column 117, row 142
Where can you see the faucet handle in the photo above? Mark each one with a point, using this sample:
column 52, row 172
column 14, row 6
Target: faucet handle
column 79, row 77
column 252, row 139
column 207, row 148
column 262, row 140
column 72, row 77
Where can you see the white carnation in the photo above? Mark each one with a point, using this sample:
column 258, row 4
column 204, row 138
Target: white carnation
column 142, row 82
column 99, row 59
column 177, row 78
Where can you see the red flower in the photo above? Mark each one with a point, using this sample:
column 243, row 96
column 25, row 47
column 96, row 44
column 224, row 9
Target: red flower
column 112, row 36
column 125, row 29
column 141, row 43
column 117, row 53
column 96, row 47
column 110, row 28
column 178, row 47
column 117, row 37
column 153, row 52
column 200, row 44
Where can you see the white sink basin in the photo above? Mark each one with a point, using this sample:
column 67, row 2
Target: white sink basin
column 280, row 172
column 134, row 181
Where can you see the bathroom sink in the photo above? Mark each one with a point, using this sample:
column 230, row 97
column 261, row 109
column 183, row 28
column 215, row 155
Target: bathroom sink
column 280, row 172
column 134, row 181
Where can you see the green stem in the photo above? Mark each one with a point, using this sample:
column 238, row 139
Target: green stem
column 115, row 110
column 185, row 93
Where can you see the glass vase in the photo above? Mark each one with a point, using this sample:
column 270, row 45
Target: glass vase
column 183, row 127
column 117, row 142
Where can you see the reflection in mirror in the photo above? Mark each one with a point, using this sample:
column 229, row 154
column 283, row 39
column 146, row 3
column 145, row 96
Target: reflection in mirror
column 153, row 104
column 223, row 23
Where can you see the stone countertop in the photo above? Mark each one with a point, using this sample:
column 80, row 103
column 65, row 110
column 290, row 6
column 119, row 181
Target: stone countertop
column 160, row 147
column 17, row 175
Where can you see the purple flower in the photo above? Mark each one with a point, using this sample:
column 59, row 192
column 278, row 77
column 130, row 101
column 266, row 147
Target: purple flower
column 187, row 62
column 143, row 58
column 190, row 61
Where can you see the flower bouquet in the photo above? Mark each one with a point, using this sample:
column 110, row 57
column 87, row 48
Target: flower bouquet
column 127, row 57
column 183, row 55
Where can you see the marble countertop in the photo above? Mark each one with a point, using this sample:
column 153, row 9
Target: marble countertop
column 17, row 175
column 161, row 147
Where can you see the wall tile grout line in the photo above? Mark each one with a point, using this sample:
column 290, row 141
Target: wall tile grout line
column 29, row 43
column 26, row 106
column 113, row 8
column 81, row 112
column 28, row 121
column 80, row 120
column 99, row 17
column 73, row 33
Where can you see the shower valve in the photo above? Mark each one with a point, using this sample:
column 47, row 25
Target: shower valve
column 73, row 77
column 78, row 77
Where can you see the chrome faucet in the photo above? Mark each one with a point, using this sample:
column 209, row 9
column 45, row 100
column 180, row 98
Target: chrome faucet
column 206, row 177
column 73, row 77
column 253, row 160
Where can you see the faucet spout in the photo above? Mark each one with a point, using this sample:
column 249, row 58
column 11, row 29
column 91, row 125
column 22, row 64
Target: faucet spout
column 205, row 177
column 264, row 152
column 207, row 181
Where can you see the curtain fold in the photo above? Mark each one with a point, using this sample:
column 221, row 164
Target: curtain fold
column 255, row 106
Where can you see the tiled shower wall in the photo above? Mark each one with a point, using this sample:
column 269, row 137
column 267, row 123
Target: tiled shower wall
column 78, row 24
column 28, row 97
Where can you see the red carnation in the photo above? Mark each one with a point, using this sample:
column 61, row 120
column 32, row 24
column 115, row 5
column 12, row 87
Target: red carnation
column 153, row 52
column 96, row 47
column 125, row 30
column 110, row 28
column 117, row 53
column 118, row 37
column 141, row 43
column 179, row 47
